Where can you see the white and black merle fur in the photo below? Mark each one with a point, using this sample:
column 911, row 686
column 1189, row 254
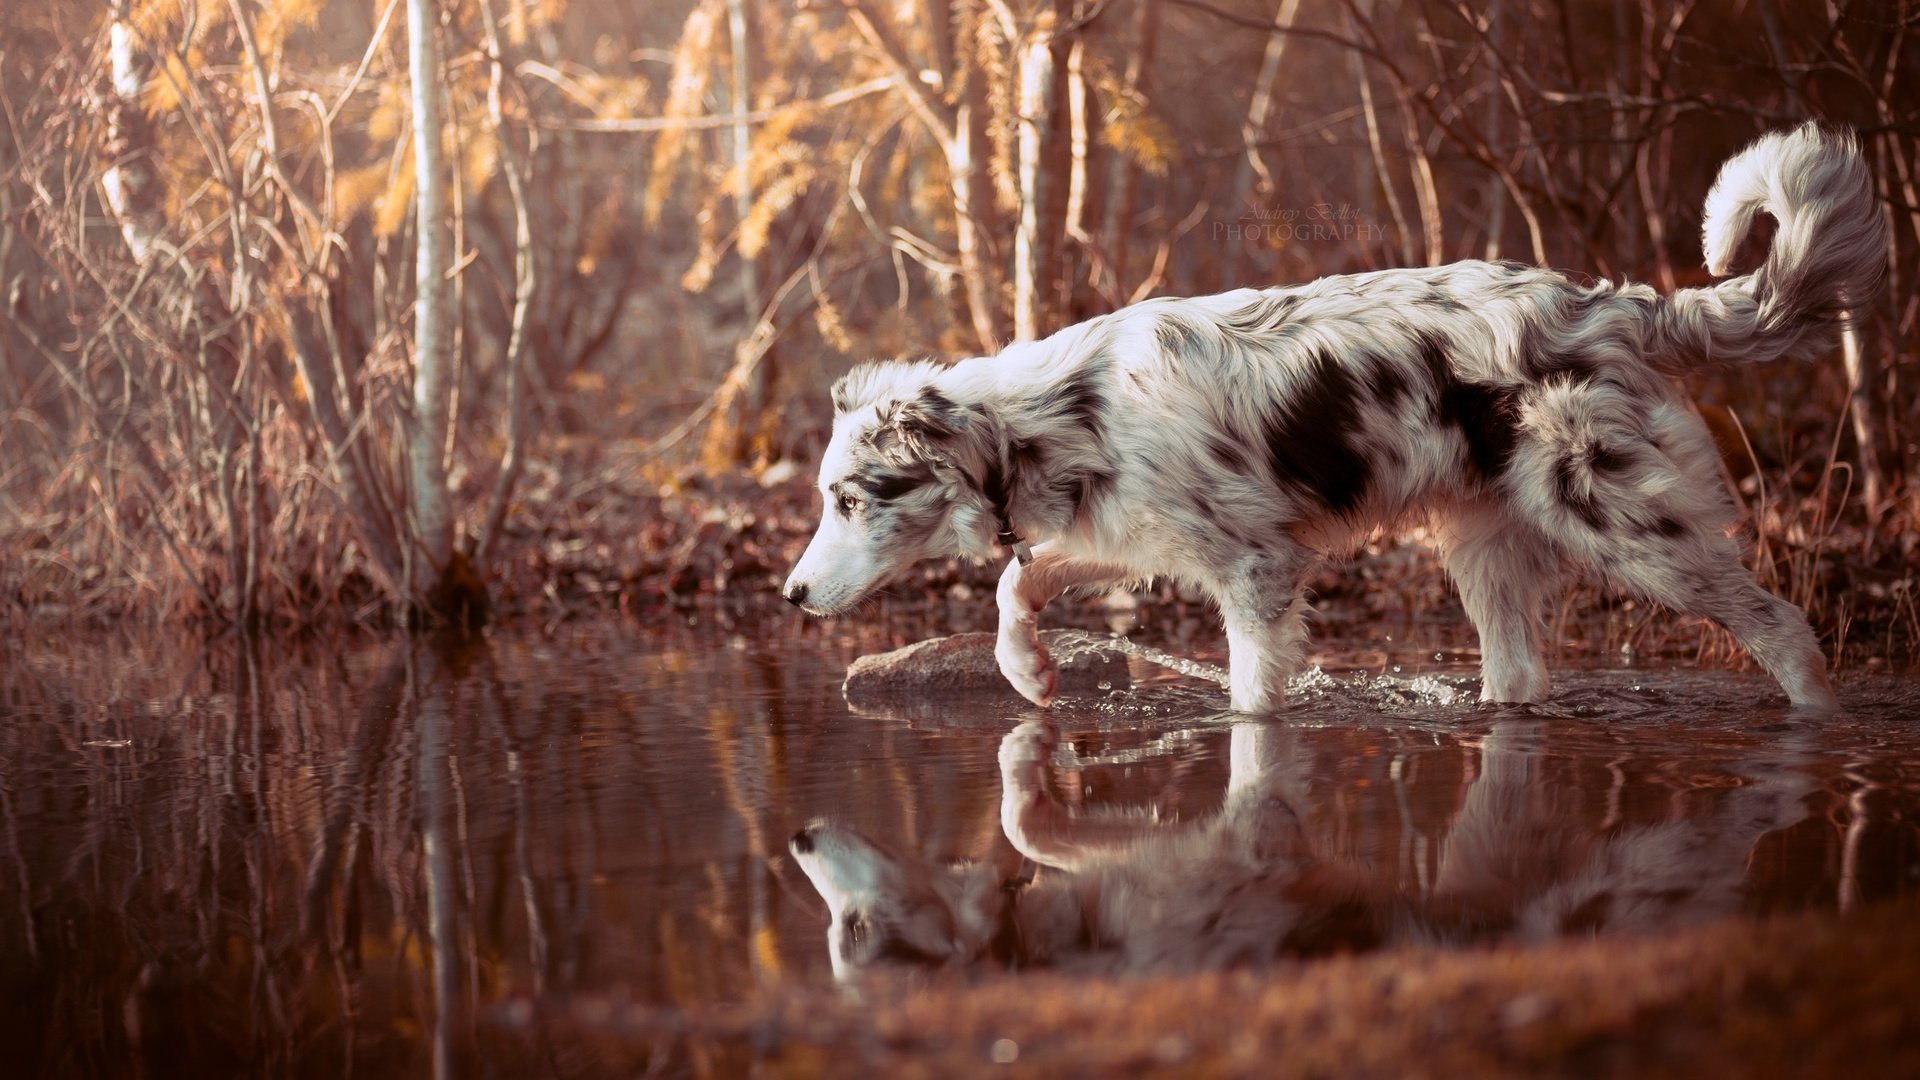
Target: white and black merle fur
column 1233, row 441
column 1112, row 891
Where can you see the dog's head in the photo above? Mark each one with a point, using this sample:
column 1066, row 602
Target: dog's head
column 889, row 908
column 901, row 481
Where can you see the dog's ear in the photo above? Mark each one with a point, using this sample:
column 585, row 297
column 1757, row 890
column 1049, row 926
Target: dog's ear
column 925, row 426
column 887, row 381
column 849, row 389
column 931, row 414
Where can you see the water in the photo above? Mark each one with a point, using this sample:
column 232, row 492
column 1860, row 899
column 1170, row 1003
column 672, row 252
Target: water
column 373, row 858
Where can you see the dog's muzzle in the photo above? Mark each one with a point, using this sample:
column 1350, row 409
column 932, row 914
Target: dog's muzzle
column 796, row 594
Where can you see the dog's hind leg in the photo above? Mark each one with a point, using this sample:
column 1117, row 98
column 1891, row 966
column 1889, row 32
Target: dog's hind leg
column 1024, row 590
column 1505, row 571
column 1702, row 575
column 1265, row 615
column 1634, row 492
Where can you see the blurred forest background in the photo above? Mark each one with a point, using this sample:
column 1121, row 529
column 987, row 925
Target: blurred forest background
column 241, row 382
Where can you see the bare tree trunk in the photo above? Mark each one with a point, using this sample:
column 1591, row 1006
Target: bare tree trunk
column 432, row 362
column 135, row 195
column 1252, row 176
column 1122, row 176
column 525, row 280
column 1864, row 370
column 759, row 393
column 730, row 437
column 961, row 131
column 1425, row 192
column 742, row 146
column 1860, row 413
column 133, row 188
column 1357, row 64
column 1077, row 136
column 1033, row 243
column 1496, row 194
column 972, row 208
column 975, row 215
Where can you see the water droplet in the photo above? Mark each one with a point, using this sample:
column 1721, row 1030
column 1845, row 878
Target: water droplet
column 1105, row 685
column 1005, row 1051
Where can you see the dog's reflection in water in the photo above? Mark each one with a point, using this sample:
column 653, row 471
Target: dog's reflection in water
column 1117, row 893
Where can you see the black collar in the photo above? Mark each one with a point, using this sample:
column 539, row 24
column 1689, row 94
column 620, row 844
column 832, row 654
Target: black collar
column 995, row 486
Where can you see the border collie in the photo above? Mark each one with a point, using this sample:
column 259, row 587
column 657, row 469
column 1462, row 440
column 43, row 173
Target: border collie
column 1234, row 441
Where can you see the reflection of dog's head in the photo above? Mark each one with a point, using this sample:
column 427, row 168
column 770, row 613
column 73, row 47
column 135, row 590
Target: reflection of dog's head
column 890, row 909
column 902, row 481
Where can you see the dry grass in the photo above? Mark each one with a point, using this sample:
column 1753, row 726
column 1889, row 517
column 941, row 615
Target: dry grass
column 1801, row 996
column 592, row 536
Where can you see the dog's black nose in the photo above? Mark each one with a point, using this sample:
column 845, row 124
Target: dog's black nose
column 802, row 842
column 796, row 595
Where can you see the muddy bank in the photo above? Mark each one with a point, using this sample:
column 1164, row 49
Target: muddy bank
column 715, row 550
column 1800, row 996
column 725, row 545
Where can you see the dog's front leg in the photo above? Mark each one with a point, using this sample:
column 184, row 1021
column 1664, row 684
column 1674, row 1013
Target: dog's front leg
column 1037, row 825
column 1265, row 616
column 1024, row 590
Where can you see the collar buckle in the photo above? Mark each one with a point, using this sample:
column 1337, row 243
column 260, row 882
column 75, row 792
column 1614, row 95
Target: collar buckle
column 1008, row 538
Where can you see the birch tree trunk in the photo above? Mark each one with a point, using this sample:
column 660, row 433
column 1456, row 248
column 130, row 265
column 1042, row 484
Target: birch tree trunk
column 1078, row 146
column 960, row 128
column 744, row 407
column 1030, row 247
column 432, row 517
column 758, row 398
column 132, row 187
column 742, row 145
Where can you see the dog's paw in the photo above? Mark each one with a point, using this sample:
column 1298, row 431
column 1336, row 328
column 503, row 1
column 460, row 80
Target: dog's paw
column 1028, row 666
column 1033, row 740
column 1026, row 754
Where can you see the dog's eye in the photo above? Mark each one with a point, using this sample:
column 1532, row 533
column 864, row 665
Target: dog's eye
column 848, row 504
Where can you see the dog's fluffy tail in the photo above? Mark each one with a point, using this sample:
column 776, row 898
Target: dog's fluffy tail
column 1826, row 259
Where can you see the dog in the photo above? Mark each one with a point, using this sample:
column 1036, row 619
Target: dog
column 1234, row 441
column 1122, row 893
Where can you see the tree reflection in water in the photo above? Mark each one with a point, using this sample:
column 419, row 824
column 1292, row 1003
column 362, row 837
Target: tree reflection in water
column 373, row 858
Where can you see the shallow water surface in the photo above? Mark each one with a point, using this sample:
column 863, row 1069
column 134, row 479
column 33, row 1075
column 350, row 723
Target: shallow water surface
column 381, row 857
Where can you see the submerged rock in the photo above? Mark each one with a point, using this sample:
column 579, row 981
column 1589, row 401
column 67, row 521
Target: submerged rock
column 963, row 665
